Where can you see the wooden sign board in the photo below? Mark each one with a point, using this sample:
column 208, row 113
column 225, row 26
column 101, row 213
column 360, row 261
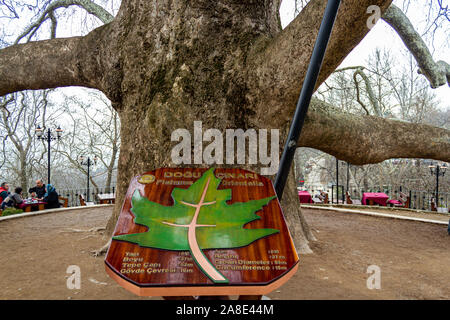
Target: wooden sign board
column 193, row 232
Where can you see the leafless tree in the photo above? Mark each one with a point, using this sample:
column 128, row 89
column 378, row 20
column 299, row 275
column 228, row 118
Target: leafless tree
column 94, row 131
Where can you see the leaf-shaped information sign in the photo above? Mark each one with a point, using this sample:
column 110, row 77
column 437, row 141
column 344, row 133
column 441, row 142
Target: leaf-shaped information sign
column 201, row 232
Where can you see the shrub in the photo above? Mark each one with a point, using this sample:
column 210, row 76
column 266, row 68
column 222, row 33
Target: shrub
column 10, row 211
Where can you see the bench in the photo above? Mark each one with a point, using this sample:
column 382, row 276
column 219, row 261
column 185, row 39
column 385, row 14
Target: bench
column 83, row 202
column 349, row 200
column 64, row 201
column 106, row 198
column 316, row 200
column 323, row 197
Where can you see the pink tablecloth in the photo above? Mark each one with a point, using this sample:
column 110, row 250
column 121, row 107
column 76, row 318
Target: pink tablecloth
column 377, row 198
column 305, row 197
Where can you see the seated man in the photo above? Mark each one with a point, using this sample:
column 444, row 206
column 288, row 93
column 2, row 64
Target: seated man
column 4, row 191
column 38, row 191
column 5, row 196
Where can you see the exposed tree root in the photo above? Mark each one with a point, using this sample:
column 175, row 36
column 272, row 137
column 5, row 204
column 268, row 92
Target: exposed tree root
column 102, row 250
column 94, row 229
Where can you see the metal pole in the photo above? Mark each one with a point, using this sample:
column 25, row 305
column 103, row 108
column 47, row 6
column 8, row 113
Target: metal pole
column 305, row 95
column 88, row 165
column 337, row 181
column 437, row 186
column 48, row 154
column 348, row 174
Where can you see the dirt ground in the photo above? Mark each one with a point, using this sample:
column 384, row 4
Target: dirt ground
column 413, row 257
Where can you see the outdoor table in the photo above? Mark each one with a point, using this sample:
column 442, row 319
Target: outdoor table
column 28, row 204
column 305, row 197
column 370, row 198
column 106, row 198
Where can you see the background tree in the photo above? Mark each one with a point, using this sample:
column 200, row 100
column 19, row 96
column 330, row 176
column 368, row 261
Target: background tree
column 94, row 131
column 392, row 90
column 19, row 116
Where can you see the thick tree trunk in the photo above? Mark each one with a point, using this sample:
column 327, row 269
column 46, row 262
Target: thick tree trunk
column 193, row 72
column 23, row 174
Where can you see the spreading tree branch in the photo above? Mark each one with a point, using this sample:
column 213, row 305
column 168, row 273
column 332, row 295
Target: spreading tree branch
column 370, row 139
column 62, row 62
column 45, row 64
column 437, row 73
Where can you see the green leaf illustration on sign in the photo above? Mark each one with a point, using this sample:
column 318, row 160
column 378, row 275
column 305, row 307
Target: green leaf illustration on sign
column 199, row 219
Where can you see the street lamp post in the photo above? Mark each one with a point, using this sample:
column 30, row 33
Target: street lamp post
column 337, row 181
column 87, row 162
column 337, row 185
column 438, row 171
column 48, row 136
column 348, row 175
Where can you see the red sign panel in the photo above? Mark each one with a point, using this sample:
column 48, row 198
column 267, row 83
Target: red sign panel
column 185, row 231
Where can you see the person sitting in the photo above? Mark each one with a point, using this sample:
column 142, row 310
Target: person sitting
column 38, row 191
column 7, row 203
column 17, row 198
column 4, row 191
column 51, row 198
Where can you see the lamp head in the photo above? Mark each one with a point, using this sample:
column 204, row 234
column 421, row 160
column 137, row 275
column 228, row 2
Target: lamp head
column 444, row 168
column 59, row 132
column 431, row 166
column 39, row 131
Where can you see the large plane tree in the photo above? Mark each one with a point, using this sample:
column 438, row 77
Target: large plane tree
column 167, row 63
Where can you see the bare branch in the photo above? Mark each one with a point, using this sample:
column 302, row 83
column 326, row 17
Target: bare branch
column 437, row 73
column 358, row 97
column 372, row 98
column 87, row 5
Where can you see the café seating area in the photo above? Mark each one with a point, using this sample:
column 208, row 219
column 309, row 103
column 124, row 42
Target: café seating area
column 367, row 199
column 68, row 199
